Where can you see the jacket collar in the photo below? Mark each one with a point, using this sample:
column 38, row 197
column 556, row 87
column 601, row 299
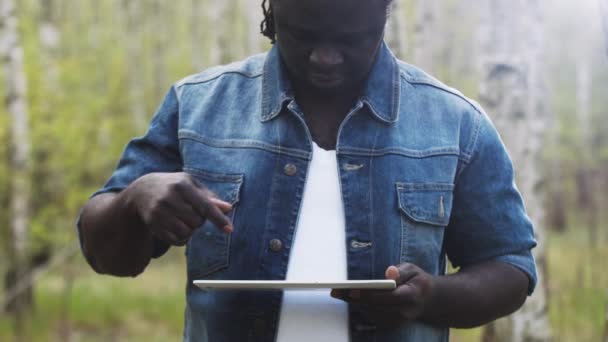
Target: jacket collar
column 381, row 95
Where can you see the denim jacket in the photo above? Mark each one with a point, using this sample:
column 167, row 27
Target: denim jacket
column 423, row 176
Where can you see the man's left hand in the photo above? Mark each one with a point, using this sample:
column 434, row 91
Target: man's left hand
column 395, row 307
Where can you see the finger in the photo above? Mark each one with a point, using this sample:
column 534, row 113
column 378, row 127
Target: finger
column 206, row 209
column 403, row 295
column 181, row 231
column 224, row 206
column 339, row 294
column 401, row 274
column 349, row 296
column 185, row 213
column 165, row 236
column 173, row 231
column 212, row 196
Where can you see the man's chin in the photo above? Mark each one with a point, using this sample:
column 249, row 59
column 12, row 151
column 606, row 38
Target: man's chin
column 328, row 86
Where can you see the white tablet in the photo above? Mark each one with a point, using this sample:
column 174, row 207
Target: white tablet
column 295, row 285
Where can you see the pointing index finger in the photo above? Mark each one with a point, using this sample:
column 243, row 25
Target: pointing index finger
column 209, row 207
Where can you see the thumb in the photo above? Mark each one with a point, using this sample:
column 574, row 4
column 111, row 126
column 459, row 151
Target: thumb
column 400, row 274
column 392, row 272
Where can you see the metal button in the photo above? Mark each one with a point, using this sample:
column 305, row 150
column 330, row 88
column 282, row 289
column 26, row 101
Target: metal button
column 290, row 169
column 276, row 245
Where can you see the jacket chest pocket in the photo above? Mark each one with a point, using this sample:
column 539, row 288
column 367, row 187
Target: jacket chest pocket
column 208, row 250
column 425, row 212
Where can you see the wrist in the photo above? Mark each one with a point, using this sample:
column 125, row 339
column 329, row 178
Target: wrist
column 128, row 203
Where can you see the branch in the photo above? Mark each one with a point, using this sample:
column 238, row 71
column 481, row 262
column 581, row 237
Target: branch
column 29, row 279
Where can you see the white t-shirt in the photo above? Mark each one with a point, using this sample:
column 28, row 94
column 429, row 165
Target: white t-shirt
column 318, row 253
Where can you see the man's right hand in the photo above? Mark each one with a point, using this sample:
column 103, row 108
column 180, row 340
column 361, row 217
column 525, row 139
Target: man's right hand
column 172, row 205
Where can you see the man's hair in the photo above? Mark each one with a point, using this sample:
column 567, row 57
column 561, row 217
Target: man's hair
column 267, row 26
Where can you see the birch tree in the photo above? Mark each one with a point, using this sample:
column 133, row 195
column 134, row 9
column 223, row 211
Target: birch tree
column 425, row 40
column 50, row 39
column 197, row 33
column 253, row 15
column 218, row 12
column 604, row 15
column 512, row 92
column 395, row 34
column 134, row 21
column 585, row 176
column 160, row 18
column 11, row 55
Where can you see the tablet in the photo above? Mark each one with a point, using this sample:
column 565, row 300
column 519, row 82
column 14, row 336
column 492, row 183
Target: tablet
column 295, row 285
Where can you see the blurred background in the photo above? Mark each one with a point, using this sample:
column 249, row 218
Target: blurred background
column 82, row 77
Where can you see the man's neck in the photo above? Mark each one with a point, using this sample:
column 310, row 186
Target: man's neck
column 324, row 113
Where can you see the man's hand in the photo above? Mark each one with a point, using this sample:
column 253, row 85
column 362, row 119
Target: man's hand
column 172, row 205
column 392, row 308
column 475, row 295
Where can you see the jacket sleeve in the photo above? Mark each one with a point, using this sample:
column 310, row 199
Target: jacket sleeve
column 156, row 151
column 489, row 220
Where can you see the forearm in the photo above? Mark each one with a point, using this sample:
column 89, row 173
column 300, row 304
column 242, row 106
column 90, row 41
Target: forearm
column 114, row 239
column 476, row 295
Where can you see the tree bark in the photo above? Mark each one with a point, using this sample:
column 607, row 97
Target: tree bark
column 50, row 40
column 11, row 55
column 425, row 42
column 198, row 21
column 604, row 14
column 395, row 34
column 253, row 13
column 133, row 11
column 217, row 13
column 160, row 17
column 512, row 91
column 586, row 179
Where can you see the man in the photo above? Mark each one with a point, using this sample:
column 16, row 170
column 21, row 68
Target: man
column 230, row 166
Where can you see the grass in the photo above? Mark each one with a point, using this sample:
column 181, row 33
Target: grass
column 101, row 308
column 150, row 307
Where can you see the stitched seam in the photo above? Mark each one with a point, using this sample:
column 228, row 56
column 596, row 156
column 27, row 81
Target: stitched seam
column 400, row 151
column 252, row 144
column 215, row 77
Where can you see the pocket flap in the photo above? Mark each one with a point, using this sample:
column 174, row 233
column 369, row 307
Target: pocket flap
column 426, row 202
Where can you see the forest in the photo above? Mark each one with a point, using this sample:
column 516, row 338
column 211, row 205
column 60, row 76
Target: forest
column 82, row 78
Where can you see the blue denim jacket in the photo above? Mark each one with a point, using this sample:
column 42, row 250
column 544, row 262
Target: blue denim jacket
column 423, row 175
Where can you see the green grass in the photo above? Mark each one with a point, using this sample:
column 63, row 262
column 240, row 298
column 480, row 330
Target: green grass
column 150, row 307
column 578, row 286
column 101, row 308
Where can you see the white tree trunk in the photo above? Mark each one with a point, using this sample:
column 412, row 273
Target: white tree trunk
column 253, row 13
column 425, row 37
column 50, row 40
column 395, row 33
column 161, row 19
column 133, row 11
column 586, row 175
column 604, row 14
column 512, row 91
column 11, row 55
column 217, row 14
column 198, row 21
